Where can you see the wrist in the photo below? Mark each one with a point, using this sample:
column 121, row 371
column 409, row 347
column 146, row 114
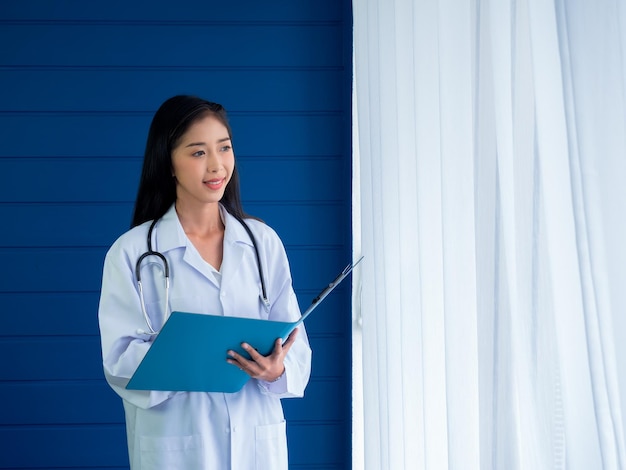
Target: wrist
column 279, row 377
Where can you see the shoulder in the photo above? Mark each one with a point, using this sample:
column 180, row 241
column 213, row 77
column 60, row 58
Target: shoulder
column 265, row 235
column 237, row 229
column 267, row 239
column 259, row 227
column 271, row 247
column 129, row 243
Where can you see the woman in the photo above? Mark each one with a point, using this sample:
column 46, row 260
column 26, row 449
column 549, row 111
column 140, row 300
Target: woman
column 189, row 189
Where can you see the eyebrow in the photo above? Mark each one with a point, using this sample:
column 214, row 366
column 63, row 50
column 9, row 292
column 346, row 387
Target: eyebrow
column 198, row 144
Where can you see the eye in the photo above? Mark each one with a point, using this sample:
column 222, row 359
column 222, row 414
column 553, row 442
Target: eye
column 226, row 148
column 199, row 153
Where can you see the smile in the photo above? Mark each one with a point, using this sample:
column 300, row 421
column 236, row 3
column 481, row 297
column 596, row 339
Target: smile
column 214, row 184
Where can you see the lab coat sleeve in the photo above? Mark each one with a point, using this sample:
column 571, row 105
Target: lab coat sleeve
column 120, row 317
column 285, row 308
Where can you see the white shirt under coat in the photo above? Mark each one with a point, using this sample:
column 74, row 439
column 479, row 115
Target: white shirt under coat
column 196, row 430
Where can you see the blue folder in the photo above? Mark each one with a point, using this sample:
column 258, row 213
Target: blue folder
column 189, row 354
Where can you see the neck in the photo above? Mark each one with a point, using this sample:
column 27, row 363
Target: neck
column 200, row 220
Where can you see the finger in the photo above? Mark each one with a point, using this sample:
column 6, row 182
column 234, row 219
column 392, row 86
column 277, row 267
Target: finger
column 250, row 368
column 290, row 340
column 237, row 359
column 254, row 354
column 257, row 369
column 257, row 365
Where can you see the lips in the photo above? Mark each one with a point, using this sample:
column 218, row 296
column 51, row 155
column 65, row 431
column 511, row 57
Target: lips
column 214, row 184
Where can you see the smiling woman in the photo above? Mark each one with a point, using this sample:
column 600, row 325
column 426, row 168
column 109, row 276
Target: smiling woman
column 213, row 270
column 202, row 165
column 202, row 160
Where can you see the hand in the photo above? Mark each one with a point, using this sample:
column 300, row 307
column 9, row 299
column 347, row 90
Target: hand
column 268, row 368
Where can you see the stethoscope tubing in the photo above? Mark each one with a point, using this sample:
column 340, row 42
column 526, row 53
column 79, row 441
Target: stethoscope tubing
column 166, row 273
column 264, row 297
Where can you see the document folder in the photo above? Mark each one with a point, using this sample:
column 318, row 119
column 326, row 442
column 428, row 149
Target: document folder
column 189, row 354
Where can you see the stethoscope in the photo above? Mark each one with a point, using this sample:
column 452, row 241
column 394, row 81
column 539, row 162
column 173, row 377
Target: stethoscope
column 166, row 273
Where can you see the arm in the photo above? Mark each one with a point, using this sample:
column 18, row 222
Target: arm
column 286, row 371
column 120, row 318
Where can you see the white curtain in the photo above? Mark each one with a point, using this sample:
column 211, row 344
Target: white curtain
column 489, row 178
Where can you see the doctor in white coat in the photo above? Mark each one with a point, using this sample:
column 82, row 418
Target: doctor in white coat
column 189, row 186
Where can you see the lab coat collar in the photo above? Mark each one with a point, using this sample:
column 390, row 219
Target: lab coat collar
column 235, row 232
column 169, row 233
column 235, row 239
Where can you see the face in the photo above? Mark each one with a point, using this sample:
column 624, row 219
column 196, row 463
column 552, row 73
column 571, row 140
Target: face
column 203, row 162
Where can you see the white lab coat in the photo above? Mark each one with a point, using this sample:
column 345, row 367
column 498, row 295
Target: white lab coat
column 196, row 430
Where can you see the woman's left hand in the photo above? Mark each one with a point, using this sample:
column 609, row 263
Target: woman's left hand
column 268, row 368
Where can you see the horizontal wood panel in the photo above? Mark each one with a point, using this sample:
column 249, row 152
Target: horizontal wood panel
column 88, row 180
column 181, row 10
column 324, row 400
column 51, row 270
column 293, row 180
column 307, row 466
column 61, row 358
column 47, row 403
column 123, row 90
column 80, row 269
column 100, row 135
column 80, row 358
column 49, row 447
column 66, row 225
column 104, row 446
column 49, row 313
column 80, row 86
column 301, row 224
column 319, row 444
column 75, row 313
column 94, row 180
column 331, row 317
column 332, row 358
column 163, row 44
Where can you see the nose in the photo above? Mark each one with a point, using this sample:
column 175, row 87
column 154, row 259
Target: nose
column 213, row 162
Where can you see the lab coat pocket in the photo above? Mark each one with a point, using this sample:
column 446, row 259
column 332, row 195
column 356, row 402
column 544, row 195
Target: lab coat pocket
column 170, row 453
column 271, row 446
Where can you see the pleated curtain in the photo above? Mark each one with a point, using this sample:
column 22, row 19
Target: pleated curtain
column 484, row 308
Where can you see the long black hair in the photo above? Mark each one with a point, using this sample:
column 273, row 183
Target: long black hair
column 157, row 186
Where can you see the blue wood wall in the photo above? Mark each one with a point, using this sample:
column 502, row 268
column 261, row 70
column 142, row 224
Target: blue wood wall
column 79, row 83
